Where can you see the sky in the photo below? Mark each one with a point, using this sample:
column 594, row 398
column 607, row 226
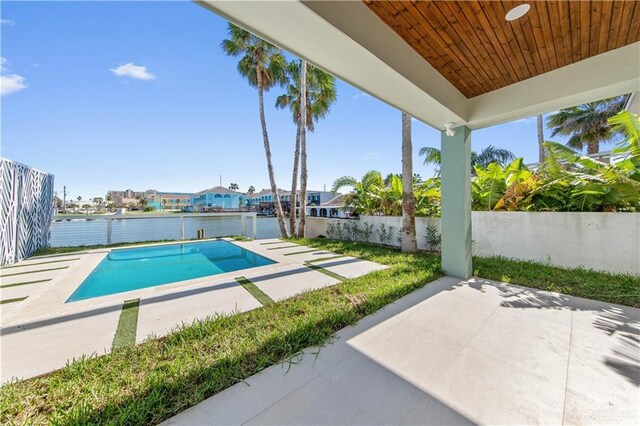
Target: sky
column 138, row 95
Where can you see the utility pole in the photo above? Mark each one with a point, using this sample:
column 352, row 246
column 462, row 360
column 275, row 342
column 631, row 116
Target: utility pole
column 220, row 180
column 64, row 200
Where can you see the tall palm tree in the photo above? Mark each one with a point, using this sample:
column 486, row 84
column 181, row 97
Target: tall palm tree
column 320, row 95
column 586, row 124
column 409, row 242
column 540, row 139
column 263, row 66
column 233, row 186
column 487, row 156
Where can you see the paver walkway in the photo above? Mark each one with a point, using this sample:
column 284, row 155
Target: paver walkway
column 454, row 353
column 40, row 333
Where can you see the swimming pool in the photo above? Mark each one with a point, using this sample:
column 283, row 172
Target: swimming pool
column 136, row 268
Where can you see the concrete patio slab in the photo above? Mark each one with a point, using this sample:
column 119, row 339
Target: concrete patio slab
column 31, row 276
column 350, row 267
column 159, row 314
column 513, row 360
column 37, row 347
column 20, row 290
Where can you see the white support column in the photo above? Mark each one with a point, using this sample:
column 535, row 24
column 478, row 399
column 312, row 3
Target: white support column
column 243, row 224
column 182, row 227
column 455, row 170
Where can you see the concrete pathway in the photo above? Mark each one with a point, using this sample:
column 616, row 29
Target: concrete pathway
column 41, row 332
column 454, row 353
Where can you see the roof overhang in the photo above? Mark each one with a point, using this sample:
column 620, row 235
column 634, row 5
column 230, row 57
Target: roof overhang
column 346, row 39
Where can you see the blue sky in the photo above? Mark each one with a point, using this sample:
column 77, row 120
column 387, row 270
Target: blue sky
column 189, row 120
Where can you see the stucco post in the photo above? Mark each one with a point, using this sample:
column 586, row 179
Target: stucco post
column 455, row 171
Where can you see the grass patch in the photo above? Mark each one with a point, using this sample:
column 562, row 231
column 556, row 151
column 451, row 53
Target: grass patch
column 324, row 259
column 281, row 248
column 17, row 299
column 300, row 252
column 272, row 242
column 324, row 271
column 33, row 272
column 25, row 283
column 151, row 382
column 125, row 336
column 39, row 263
column 240, row 238
column 621, row 289
column 261, row 296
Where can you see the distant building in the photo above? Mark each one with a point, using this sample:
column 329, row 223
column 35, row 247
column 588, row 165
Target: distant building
column 334, row 208
column 263, row 201
column 124, row 198
column 168, row 200
column 218, row 198
column 156, row 199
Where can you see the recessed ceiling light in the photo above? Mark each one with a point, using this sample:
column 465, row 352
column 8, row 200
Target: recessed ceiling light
column 517, row 12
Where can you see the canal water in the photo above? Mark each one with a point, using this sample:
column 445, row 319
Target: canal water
column 84, row 232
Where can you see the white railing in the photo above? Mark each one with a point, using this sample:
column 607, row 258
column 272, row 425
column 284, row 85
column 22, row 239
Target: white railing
column 101, row 229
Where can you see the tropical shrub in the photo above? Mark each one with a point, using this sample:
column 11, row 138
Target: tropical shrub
column 565, row 181
column 367, row 229
column 433, row 237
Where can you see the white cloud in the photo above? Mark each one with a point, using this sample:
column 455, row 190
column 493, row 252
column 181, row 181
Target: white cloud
column 361, row 95
column 138, row 72
column 10, row 83
column 7, row 22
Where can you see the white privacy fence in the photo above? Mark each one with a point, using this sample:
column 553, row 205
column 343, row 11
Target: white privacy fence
column 100, row 229
column 607, row 242
column 26, row 202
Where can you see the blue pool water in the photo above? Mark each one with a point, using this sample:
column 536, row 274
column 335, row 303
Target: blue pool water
column 132, row 269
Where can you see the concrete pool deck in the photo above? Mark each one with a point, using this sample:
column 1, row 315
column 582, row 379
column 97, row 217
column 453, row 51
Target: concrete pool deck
column 454, row 352
column 41, row 333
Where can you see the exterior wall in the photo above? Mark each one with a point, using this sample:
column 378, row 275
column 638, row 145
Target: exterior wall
column 26, row 212
column 607, row 242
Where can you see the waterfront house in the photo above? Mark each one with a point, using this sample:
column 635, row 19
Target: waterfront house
column 218, row 198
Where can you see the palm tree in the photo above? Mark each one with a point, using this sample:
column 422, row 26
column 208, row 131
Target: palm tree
column 586, row 124
column 320, row 91
column 540, row 139
column 487, row 156
column 409, row 242
column 263, row 66
column 233, row 186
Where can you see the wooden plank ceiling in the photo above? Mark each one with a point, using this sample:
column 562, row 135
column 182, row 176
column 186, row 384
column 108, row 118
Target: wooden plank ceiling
column 474, row 47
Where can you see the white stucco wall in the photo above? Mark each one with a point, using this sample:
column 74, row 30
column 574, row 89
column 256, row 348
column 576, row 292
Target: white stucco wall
column 601, row 241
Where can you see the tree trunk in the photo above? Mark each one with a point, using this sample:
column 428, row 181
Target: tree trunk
column 294, row 185
column 540, row 140
column 593, row 147
column 267, row 151
column 303, row 148
column 409, row 243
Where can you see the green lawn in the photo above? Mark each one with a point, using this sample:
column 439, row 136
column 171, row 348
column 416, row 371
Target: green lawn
column 149, row 383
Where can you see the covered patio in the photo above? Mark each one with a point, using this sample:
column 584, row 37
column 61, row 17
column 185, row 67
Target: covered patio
column 461, row 350
column 459, row 66
column 454, row 352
